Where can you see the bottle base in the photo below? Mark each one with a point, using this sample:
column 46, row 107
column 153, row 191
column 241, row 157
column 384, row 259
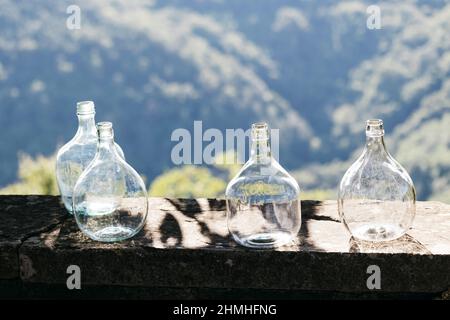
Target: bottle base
column 67, row 202
column 265, row 240
column 112, row 234
column 380, row 232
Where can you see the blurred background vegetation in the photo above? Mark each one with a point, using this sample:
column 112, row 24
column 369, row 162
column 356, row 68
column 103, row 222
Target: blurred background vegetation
column 311, row 69
column 37, row 176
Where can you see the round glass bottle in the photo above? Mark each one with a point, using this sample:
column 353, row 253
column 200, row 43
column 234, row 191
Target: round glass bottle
column 376, row 195
column 75, row 155
column 109, row 199
column 263, row 206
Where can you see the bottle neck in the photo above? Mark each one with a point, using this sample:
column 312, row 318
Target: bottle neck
column 106, row 148
column 375, row 145
column 86, row 125
column 260, row 151
column 375, row 137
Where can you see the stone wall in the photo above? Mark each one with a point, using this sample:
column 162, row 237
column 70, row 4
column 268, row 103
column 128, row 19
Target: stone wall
column 185, row 251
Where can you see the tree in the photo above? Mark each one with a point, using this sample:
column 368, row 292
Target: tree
column 188, row 182
column 36, row 176
column 222, row 162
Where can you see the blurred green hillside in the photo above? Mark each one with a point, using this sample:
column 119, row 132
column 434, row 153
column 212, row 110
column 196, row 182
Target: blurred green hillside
column 312, row 69
column 37, row 176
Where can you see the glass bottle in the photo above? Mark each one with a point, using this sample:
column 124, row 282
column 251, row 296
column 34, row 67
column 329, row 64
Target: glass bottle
column 263, row 206
column 75, row 155
column 376, row 195
column 109, row 198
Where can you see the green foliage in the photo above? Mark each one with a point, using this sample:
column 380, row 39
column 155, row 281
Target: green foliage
column 36, row 176
column 228, row 162
column 318, row 194
column 192, row 182
column 401, row 77
column 188, row 182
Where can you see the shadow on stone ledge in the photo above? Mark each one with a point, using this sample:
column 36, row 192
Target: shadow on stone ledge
column 404, row 244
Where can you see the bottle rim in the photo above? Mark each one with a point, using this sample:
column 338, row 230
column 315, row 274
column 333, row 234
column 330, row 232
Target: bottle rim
column 85, row 107
column 260, row 131
column 374, row 128
column 374, row 122
column 260, row 125
column 105, row 130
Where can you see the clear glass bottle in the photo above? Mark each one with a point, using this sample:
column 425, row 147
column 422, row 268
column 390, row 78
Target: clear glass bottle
column 376, row 195
column 75, row 155
column 263, row 206
column 109, row 198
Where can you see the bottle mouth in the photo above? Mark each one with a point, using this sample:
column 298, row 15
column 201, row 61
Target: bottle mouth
column 260, row 131
column 105, row 130
column 374, row 128
column 85, row 107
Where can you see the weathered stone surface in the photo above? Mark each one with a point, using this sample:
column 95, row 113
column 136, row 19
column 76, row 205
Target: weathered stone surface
column 20, row 218
column 185, row 244
column 9, row 263
column 12, row 289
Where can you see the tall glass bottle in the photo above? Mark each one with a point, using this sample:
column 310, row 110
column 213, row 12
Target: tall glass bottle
column 75, row 155
column 263, row 206
column 109, row 198
column 376, row 195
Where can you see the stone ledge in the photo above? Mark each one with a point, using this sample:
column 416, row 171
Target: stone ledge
column 185, row 246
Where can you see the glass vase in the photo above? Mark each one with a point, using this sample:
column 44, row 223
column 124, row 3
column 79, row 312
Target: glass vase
column 263, row 206
column 74, row 156
column 109, row 198
column 376, row 195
